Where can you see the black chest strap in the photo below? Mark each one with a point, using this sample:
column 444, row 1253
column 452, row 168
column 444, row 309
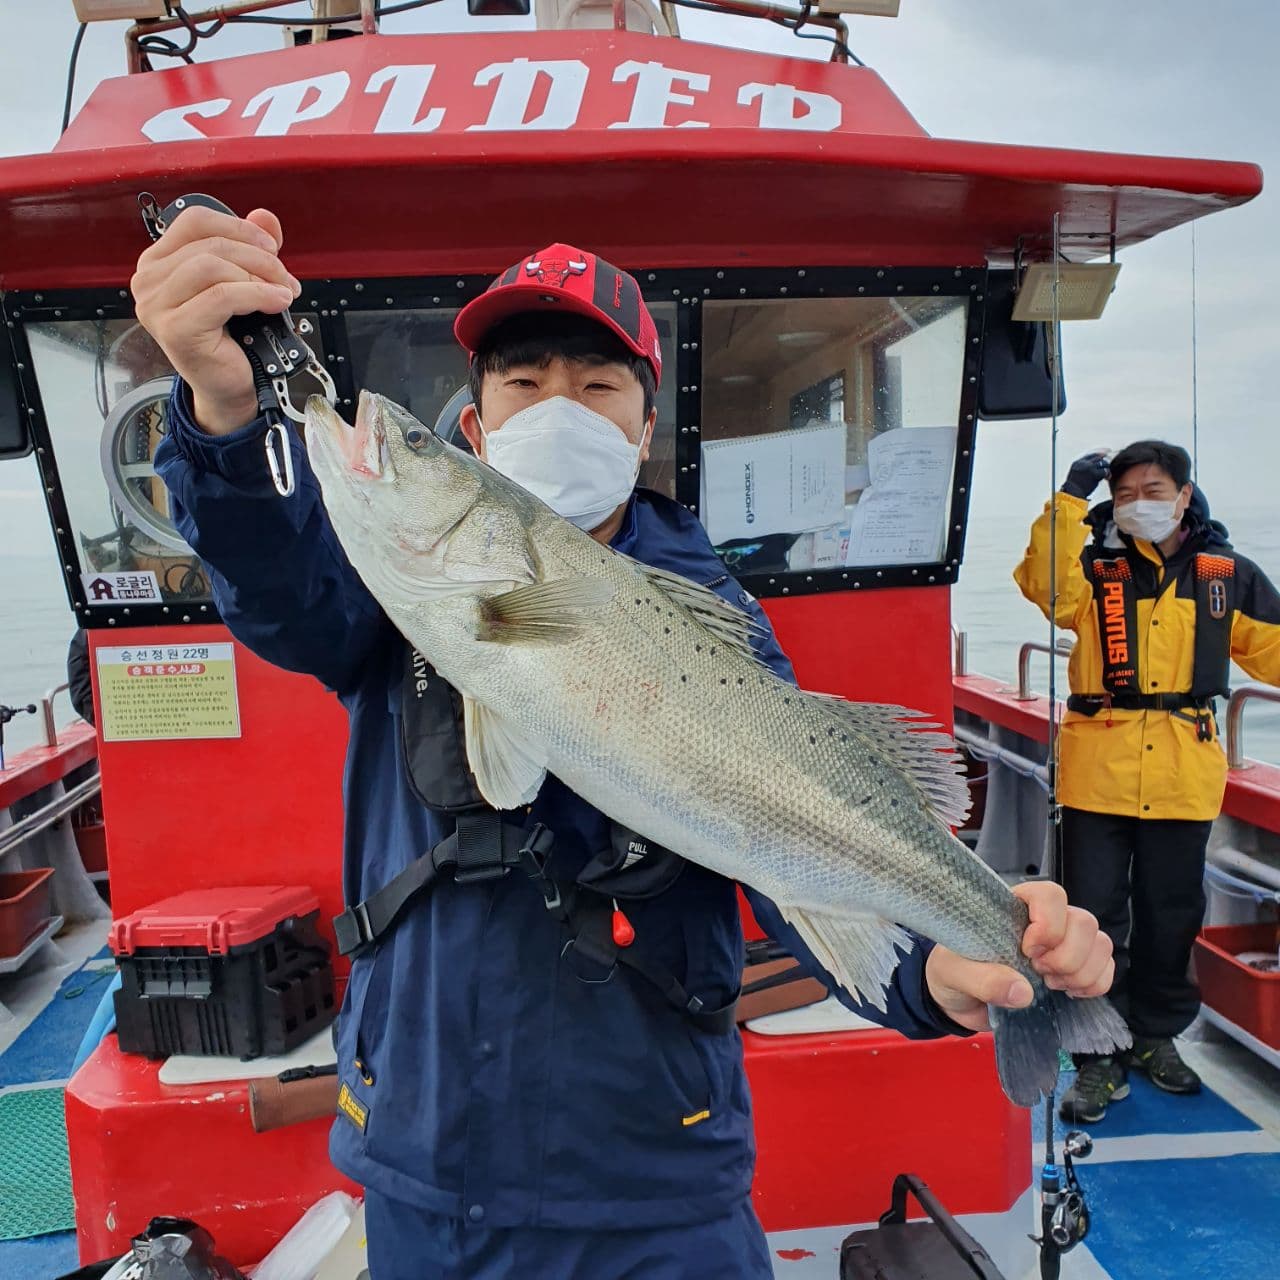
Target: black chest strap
column 483, row 847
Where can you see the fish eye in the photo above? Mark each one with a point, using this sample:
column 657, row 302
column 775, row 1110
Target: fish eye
column 415, row 436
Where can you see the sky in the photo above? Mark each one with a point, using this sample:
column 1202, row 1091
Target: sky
column 1174, row 77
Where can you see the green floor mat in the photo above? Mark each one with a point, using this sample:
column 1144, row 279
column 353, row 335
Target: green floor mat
column 35, row 1174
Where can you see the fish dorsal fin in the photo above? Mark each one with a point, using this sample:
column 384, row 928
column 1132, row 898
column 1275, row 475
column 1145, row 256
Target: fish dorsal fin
column 735, row 628
column 911, row 742
column 508, row 771
column 542, row 612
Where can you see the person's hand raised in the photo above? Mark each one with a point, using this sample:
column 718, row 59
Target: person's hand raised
column 206, row 268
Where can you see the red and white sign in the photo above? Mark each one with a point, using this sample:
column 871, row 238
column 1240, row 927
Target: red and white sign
column 532, row 82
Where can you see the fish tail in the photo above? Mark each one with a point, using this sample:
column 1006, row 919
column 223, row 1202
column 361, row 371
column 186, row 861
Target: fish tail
column 1027, row 1047
column 1028, row 1040
column 1090, row 1026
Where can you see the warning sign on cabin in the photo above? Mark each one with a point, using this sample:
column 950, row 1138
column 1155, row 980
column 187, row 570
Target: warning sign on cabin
column 168, row 691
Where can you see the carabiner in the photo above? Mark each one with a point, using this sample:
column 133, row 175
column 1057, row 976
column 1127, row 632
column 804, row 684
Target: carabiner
column 282, row 479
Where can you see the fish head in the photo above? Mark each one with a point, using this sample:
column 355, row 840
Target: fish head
column 409, row 508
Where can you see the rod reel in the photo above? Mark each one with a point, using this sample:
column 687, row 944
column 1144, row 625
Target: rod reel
column 1064, row 1212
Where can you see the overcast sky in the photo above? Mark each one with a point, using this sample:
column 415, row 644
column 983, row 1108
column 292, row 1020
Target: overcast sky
column 1176, row 77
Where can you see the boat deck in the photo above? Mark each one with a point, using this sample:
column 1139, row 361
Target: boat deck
column 1179, row 1188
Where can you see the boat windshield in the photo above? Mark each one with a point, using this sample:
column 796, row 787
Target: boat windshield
column 809, row 433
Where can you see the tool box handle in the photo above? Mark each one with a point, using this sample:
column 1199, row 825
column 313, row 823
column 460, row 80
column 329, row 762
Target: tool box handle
column 965, row 1245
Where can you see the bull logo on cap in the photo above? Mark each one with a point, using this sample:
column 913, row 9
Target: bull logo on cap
column 554, row 270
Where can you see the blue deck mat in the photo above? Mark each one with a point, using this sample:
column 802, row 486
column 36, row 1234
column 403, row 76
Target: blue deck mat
column 40, row 1259
column 46, row 1050
column 1151, row 1110
column 1210, row 1219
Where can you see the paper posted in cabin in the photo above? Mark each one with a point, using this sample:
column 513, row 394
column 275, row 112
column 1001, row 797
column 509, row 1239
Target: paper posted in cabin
column 901, row 517
column 779, row 482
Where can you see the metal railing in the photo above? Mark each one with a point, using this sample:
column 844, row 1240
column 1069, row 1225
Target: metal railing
column 960, row 652
column 1062, row 649
column 54, row 811
column 46, row 714
column 1235, row 720
column 994, row 753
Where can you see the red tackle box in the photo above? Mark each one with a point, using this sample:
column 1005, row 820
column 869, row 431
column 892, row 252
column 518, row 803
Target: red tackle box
column 24, row 908
column 241, row 972
column 1246, row 996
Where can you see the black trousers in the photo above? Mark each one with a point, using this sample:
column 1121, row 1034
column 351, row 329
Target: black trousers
column 1144, row 880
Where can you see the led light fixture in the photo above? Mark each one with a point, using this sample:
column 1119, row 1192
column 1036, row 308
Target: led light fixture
column 1083, row 290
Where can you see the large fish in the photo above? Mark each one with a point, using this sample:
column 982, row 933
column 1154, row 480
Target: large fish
column 640, row 691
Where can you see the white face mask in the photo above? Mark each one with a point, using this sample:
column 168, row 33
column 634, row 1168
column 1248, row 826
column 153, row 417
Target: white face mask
column 1149, row 518
column 574, row 459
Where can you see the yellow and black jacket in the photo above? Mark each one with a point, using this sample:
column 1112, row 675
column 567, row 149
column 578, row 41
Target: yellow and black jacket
column 1147, row 763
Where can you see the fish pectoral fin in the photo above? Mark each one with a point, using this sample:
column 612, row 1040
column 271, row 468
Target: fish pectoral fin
column 909, row 740
column 858, row 951
column 507, row 769
column 543, row 612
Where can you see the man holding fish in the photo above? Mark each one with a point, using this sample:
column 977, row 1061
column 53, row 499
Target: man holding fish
column 572, row 734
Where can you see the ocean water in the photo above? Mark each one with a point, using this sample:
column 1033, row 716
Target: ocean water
column 36, row 622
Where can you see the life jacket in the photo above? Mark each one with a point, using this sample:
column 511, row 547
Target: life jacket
column 1115, row 595
column 486, row 844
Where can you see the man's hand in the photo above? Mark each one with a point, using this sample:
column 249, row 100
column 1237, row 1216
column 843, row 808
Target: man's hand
column 1086, row 475
column 206, row 268
column 1065, row 947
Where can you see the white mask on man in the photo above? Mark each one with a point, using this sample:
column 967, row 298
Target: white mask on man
column 1152, row 519
column 576, row 460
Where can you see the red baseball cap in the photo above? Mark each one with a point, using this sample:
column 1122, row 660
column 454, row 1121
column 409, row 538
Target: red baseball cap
column 562, row 278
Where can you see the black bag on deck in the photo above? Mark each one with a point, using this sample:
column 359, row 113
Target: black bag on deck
column 937, row 1248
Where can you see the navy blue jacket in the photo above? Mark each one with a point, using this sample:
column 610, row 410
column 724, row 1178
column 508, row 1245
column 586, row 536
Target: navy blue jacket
column 496, row 1083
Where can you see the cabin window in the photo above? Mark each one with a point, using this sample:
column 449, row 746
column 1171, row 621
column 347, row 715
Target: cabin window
column 819, row 421
column 104, row 386
column 829, row 429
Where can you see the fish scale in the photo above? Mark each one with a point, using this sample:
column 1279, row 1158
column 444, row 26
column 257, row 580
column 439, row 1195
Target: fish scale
column 640, row 691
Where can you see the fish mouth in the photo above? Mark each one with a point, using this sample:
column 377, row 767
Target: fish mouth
column 360, row 450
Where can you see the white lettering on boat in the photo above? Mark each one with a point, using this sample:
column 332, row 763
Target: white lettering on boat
column 546, row 95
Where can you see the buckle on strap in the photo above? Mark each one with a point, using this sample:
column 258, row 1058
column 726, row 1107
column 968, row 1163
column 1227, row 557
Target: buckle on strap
column 352, row 930
column 478, row 847
column 535, row 853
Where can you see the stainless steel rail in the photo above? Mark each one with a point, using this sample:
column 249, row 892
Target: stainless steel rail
column 1062, row 648
column 1235, row 719
column 46, row 714
column 960, row 652
column 993, row 753
column 12, row 837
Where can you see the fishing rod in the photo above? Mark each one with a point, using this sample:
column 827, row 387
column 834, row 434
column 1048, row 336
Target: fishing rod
column 1064, row 1214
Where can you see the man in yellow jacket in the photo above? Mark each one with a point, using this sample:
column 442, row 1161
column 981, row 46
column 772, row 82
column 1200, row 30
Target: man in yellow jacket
column 1161, row 604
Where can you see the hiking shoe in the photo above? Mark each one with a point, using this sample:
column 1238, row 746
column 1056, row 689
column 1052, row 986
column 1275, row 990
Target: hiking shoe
column 1099, row 1081
column 1166, row 1070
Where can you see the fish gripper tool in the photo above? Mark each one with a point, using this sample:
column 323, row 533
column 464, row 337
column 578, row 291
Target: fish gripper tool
column 275, row 346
